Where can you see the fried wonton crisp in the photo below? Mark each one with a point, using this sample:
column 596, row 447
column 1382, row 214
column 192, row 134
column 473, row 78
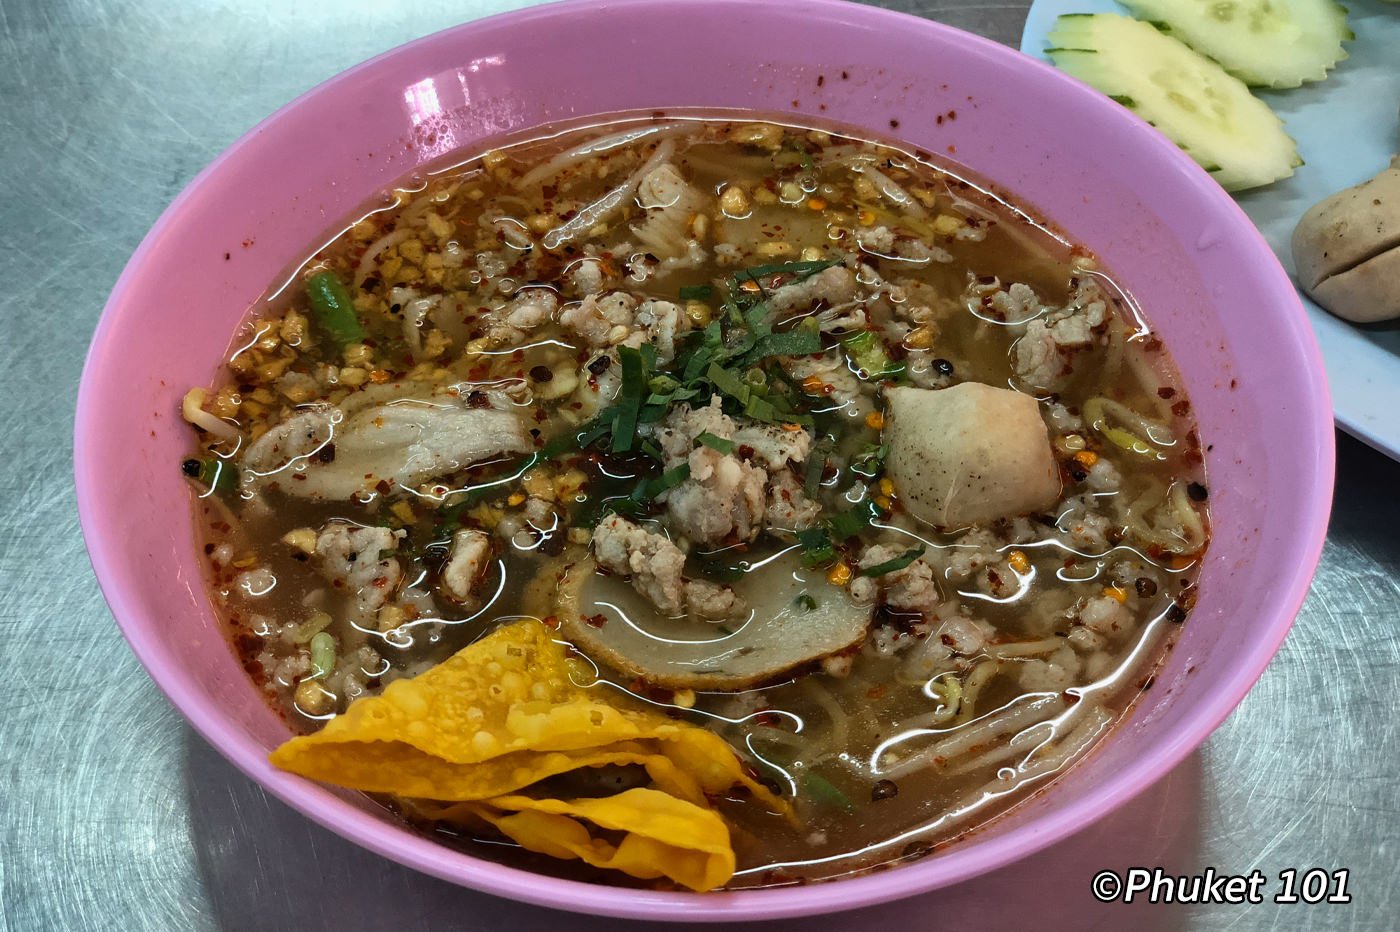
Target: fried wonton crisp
column 469, row 740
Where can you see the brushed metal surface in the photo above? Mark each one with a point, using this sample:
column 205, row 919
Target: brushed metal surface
column 114, row 815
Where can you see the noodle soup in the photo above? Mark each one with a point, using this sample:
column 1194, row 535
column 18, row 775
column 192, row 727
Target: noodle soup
column 807, row 441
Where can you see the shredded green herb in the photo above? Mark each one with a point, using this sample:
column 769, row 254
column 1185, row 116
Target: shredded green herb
column 696, row 292
column 800, row 269
column 805, row 601
column 728, row 357
column 816, row 466
column 720, row 567
column 898, row 563
column 848, row 524
column 718, row 444
column 629, row 399
column 870, row 460
column 648, row 490
column 817, row 547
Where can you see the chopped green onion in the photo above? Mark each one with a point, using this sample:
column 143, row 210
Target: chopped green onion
column 867, row 354
column 805, row 601
column 718, row 444
column 898, row 563
column 696, row 292
column 322, row 656
column 333, row 309
column 662, row 384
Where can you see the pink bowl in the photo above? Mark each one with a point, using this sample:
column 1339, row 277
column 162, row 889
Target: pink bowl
column 1210, row 284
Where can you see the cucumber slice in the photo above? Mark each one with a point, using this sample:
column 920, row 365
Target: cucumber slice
column 1212, row 116
column 1270, row 43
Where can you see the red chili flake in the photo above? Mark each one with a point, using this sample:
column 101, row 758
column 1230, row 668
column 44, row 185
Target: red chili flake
column 1165, row 393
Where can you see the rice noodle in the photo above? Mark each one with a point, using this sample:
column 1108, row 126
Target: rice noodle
column 366, row 263
column 768, row 734
column 594, row 146
column 980, row 676
column 1188, row 536
column 839, row 725
column 1025, row 648
column 1023, row 744
column 1098, row 411
column 605, row 206
column 1057, row 755
column 888, row 187
column 414, row 313
column 1186, row 513
column 1005, row 721
column 446, row 315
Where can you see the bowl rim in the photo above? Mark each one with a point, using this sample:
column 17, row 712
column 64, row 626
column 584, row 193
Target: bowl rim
column 407, row 847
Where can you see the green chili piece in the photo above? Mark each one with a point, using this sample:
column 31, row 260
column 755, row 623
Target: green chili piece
column 825, row 792
column 332, row 308
column 221, row 476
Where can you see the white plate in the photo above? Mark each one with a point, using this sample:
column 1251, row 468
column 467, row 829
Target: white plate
column 1347, row 129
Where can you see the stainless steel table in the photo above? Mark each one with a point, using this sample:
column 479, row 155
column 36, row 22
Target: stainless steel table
column 114, row 815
